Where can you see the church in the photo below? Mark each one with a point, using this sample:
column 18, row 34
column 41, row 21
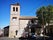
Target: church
column 18, row 23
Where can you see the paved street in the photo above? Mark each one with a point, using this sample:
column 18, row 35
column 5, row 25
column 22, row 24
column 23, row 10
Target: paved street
column 40, row 38
column 6, row 38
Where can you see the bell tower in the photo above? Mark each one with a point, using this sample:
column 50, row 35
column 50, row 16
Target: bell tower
column 14, row 20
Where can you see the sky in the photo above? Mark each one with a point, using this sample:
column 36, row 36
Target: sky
column 27, row 8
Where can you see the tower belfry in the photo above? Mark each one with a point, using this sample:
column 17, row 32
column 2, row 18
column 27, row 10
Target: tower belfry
column 14, row 20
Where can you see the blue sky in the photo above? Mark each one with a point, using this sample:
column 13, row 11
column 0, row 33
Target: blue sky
column 27, row 8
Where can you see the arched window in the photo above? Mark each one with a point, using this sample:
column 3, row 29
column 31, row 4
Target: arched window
column 16, row 32
column 13, row 8
column 16, row 8
column 14, row 18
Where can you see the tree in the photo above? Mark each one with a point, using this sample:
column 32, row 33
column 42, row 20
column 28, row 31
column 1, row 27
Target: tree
column 49, row 15
column 41, row 14
column 45, row 15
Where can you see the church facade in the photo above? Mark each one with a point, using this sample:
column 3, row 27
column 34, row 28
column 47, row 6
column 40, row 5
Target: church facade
column 18, row 23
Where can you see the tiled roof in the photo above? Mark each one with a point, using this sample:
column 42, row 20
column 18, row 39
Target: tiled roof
column 27, row 17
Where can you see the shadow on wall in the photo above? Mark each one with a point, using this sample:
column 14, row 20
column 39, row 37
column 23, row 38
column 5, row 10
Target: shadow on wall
column 31, row 27
column 6, row 31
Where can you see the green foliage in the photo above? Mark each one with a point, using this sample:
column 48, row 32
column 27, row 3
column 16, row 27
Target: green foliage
column 45, row 14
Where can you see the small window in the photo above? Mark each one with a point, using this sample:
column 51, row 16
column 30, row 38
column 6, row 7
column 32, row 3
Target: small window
column 16, row 8
column 16, row 32
column 32, row 21
column 13, row 8
column 14, row 18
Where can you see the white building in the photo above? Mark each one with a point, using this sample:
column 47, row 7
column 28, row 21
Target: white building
column 1, row 32
column 17, row 22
